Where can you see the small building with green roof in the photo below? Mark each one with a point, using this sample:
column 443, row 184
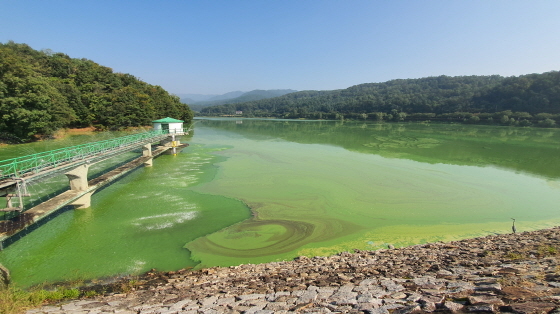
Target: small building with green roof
column 174, row 126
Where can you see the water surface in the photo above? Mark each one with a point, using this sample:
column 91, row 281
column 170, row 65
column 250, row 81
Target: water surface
column 249, row 191
column 323, row 187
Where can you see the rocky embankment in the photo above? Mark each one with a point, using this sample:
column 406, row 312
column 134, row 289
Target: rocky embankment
column 515, row 273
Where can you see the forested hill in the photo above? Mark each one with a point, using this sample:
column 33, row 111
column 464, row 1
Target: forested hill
column 520, row 97
column 245, row 97
column 42, row 91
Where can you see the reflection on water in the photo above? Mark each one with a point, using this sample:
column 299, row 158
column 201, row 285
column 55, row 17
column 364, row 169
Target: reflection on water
column 163, row 221
column 532, row 150
column 366, row 185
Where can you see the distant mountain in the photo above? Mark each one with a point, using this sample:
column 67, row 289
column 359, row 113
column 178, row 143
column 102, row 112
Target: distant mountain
column 239, row 97
column 225, row 96
column 261, row 94
column 523, row 100
column 192, row 98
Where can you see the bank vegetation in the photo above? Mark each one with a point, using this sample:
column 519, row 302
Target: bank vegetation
column 43, row 91
column 526, row 100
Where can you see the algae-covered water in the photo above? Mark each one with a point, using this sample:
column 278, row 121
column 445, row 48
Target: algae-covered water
column 249, row 191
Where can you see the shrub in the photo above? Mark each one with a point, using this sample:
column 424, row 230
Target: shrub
column 547, row 123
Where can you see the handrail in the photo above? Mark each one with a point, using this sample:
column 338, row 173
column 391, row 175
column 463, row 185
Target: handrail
column 16, row 167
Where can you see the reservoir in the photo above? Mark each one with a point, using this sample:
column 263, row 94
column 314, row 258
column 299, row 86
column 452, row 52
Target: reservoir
column 252, row 191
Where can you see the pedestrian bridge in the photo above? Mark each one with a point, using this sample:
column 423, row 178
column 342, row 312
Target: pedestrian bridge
column 74, row 162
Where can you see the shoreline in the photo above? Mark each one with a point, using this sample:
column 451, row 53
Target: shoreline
column 517, row 273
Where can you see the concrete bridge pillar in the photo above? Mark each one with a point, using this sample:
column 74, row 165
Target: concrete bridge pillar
column 147, row 152
column 83, row 202
column 78, row 178
column 79, row 182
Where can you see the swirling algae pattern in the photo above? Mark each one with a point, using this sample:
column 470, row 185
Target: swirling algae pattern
column 294, row 234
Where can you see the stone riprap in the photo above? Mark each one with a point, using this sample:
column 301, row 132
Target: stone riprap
column 514, row 273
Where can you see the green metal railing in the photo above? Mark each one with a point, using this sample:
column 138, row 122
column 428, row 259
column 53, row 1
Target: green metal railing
column 16, row 167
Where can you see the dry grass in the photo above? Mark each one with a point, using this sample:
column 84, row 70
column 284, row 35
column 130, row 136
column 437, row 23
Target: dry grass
column 15, row 301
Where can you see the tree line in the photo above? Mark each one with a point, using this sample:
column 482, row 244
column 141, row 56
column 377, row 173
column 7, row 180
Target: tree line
column 532, row 99
column 43, row 91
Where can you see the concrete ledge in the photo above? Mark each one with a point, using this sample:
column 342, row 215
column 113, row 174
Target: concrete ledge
column 10, row 228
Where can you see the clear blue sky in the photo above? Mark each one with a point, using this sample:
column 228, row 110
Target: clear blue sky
column 218, row 46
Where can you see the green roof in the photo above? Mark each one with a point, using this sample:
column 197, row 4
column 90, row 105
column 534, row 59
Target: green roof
column 167, row 120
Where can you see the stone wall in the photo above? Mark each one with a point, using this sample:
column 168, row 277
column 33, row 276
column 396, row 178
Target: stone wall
column 515, row 273
column 4, row 276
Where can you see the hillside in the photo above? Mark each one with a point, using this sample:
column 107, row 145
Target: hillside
column 42, row 91
column 239, row 98
column 442, row 97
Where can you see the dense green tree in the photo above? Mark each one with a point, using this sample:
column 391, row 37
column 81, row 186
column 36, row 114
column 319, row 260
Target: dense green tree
column 470, row 99
column 42, row 91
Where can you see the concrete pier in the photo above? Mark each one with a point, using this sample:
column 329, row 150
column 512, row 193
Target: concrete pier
column 147, row 152
column 79, row 194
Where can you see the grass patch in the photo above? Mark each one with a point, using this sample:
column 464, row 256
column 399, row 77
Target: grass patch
column 128, row 286
column 514, row 256
column 14, row 300
column 544, row 250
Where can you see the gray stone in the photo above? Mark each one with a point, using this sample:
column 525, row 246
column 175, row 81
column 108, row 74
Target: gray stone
column 378, row 292
column 209, row 311
column 368, row 282
column 377, row 311
column 407, row 309
column 255, row 308
column 160, row 312
column 481, row 308
column 391, row 306
column 398, row 295
column 431, row 298
column 324, row 293
column 191, row 307
column 71, row 307
column 93, row 304
column 117, row 303
column 226, row 301
column 344, row 298
column 532, row 307
column 425, row 281
column 124, row 311
column 367, row 298
column 391, row 286
column 488, row 287
column 273, row 296
column 429, row 307
column 208, row 301
column 394, row 301
column 346, row 288
column 254, row 296
column 476, row 299
column 308, row 296
column 414, row 297
column 452, row 306
column 277, row 306
column 459, row 286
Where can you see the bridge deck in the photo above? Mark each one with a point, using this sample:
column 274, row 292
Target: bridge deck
column 9, row 228
column 34, row 165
